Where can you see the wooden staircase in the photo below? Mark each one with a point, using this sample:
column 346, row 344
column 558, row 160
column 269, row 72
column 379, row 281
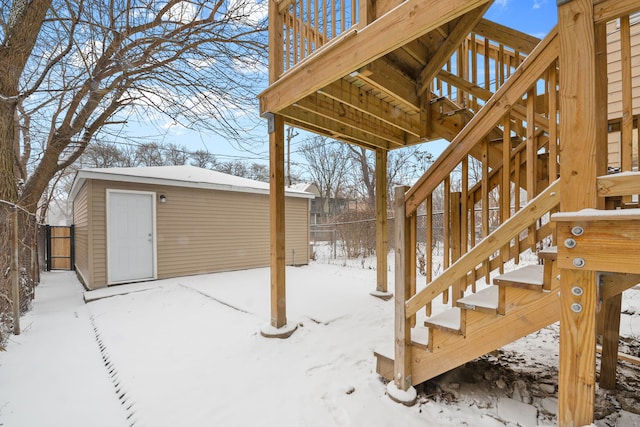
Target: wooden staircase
column 399, row 73
column 514, row 137
column 518, row 303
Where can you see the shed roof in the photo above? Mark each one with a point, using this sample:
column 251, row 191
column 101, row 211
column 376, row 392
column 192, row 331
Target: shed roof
column 178, row 176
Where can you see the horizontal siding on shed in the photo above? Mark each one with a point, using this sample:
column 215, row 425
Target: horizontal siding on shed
column 204, row 231
column 81, row 235
column 98, row 232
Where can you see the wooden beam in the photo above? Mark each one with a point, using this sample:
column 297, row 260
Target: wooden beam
column 620, row 184
column 324, row 132
column 277, row 224
column 390, row 80
column 455, row 38
column 616, row 283
column 405, row 23
column 382, row 243
column 337, row 130
column 607, row 243
column 365, row 101
column 607, row 10
column 516, row 40
column 346, row 115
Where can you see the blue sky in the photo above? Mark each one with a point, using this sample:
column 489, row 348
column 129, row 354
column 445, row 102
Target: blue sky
column 535, row 17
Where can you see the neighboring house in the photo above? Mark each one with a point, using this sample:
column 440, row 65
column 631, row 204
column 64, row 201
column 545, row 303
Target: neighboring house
column 136, row 224
column 616, row 106
column 323, row 208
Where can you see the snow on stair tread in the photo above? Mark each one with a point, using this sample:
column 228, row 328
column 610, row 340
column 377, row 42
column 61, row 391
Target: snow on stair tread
column 420, row 335
column 487, row 298
column 550, row 252
column 590, row 214
column 530, row 274
column 449, row 319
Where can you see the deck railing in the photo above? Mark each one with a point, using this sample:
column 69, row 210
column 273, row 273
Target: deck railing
column 481, row 65
column 310, row 24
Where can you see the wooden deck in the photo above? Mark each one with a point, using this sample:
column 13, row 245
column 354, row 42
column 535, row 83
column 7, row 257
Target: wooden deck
column 390, row 74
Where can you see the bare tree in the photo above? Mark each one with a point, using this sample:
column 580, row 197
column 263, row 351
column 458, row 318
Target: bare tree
column 258, row 172
column 175, row 155
column 403, row 167
column 103, row 155
column 149, row 154
column 236, row 167
column 327, row 162
column 72, row 71
column 203, row 159
column 363, row 175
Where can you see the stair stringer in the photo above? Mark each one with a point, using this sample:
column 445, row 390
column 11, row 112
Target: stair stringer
column 482, row 337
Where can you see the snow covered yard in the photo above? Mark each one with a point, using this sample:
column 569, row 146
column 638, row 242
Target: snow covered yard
column 187, row 352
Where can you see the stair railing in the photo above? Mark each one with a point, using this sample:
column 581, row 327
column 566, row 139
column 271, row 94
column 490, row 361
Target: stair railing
column 493, row 194
column 483, row 63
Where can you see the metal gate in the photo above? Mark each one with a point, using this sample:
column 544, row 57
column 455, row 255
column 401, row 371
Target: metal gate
column 59, row 248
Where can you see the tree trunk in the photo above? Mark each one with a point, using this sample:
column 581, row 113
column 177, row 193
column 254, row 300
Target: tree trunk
column 23, row 26
column 8, row 184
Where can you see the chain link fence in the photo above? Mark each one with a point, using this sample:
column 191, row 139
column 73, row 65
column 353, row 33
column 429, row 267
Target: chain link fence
column 19, row 266
column 353, row 235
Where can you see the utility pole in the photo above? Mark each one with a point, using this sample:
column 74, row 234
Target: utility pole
column 291, row 133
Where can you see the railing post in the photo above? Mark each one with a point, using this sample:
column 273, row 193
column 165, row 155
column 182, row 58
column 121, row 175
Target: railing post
column 400, row 389
column 583, row 137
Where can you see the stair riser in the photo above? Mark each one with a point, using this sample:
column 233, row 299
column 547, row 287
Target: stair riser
column 450, row 351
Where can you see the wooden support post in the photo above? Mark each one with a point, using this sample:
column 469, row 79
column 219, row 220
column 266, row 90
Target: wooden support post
column 402, row 359
column 582, row 134
column 610, row 335
column 277, row 224
column 15, row 271
column 382, row 244
column 278, row 326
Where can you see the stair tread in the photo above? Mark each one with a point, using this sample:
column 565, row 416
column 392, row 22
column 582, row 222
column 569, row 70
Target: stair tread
column 550, row 252
column 597, row 215
column 529, row 275
column 449, row 319
column 420, row 336
column 487, row 298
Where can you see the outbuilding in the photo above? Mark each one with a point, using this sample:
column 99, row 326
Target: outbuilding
column 146, row 223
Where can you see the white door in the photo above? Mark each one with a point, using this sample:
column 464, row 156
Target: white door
column 130, row 236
